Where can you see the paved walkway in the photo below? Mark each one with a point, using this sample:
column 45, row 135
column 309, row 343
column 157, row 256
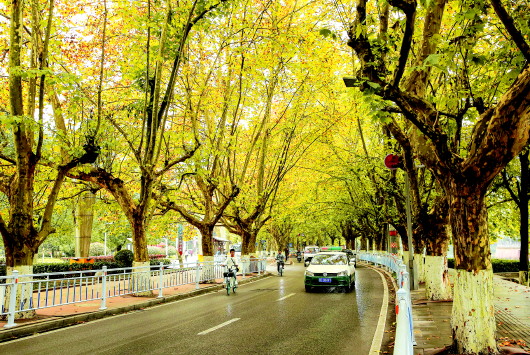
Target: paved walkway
column 432, row 320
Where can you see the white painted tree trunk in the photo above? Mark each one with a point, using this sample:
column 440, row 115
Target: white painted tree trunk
column 24, row 291
column 523, row 278
column 207, row 269
column 473, row 315
column 141, row 279
column 245, row 264
column 437, row 285
column 419, row 266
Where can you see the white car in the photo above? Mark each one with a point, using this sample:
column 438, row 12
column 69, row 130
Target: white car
column 330, row 269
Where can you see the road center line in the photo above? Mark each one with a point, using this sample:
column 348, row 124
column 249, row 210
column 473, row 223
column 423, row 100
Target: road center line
column 281, row 299
column 218, row 326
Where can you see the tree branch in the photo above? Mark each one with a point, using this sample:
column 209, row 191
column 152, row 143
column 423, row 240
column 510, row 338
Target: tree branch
column 508, row 23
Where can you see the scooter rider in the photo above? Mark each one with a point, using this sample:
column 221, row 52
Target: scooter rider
column 299, row 255
column 231, row 260
column 280, row 260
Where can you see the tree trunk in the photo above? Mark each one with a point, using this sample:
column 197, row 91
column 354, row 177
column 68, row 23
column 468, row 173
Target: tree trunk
column 23, row 263
column 473, row 314
column 84, row 219
column 436, row 240
column 141, row 278
column 248, row 243
column 437, row 285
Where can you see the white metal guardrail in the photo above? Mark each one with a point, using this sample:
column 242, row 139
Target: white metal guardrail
column 39, row 291
column 404, row 340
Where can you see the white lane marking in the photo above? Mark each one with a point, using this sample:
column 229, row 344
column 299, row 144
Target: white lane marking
column 281, row 299
column 380, row 330
column 219, row 326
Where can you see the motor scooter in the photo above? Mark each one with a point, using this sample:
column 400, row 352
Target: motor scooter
column 299, row 257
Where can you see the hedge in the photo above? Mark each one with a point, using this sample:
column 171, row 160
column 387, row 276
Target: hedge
column 63, row 267
column 499, row 265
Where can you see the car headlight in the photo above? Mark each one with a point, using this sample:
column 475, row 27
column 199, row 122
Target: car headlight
column 309, row 273
column 342, row 273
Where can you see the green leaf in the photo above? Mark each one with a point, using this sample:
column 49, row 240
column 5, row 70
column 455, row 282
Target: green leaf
column 432, row 59
column 373, row 85
column 326, row 32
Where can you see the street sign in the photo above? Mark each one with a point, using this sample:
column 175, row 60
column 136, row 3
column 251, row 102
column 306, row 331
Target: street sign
column 393, row 161
column 180, row 235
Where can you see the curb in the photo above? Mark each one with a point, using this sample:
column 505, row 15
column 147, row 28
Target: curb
column 46, row 325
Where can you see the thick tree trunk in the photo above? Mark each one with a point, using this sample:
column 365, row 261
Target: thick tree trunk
column 139, row 241
column 437, row 285
column 473, row 314
column 248, row 242
column 436, row 242
column 206, row 239
column 84, row 219
column 23, row 263
column 141, row 278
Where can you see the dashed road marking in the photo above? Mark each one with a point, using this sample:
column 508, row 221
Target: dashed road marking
column 289, row 295
column 219, row 326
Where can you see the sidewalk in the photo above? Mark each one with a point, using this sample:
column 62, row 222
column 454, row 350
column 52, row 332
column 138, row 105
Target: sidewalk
column 62, row 316
column 432, row 319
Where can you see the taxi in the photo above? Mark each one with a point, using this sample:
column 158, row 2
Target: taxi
column 330, row 269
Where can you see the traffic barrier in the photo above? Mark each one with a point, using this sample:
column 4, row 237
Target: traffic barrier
column 404, row 340
column 403, row 344
column 56, row 289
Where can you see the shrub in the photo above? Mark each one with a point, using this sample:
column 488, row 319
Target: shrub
column 103, row 258
column 153, row 262
column 499, row 265
column 157, row 256
column 154, row 250
column 124, row 258
column 97, row 248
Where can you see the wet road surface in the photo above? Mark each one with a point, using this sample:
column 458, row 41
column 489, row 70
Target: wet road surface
column 271, row 316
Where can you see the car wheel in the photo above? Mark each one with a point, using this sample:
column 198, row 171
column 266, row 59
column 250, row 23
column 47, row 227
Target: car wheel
column 307, row 288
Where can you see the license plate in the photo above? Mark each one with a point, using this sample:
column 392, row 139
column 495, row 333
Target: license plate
column 328, row 280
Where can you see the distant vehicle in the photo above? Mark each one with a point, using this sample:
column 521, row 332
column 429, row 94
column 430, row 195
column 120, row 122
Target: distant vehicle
column 331, row 248
column 328, row 269
column 309, row 252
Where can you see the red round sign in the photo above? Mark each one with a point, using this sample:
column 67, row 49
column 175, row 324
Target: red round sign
column 392, row 161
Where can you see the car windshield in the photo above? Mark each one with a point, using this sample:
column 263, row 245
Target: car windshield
column 310, row 250
column 329, row 259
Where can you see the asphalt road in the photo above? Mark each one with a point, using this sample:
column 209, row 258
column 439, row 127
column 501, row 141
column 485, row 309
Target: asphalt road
column 271, row 316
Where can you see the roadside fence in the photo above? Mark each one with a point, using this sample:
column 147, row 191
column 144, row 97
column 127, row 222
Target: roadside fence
column 404, row 340
column 26, row 293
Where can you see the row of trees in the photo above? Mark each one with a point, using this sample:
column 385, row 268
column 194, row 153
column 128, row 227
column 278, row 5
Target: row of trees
column 158, row 108
column 235, row 112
